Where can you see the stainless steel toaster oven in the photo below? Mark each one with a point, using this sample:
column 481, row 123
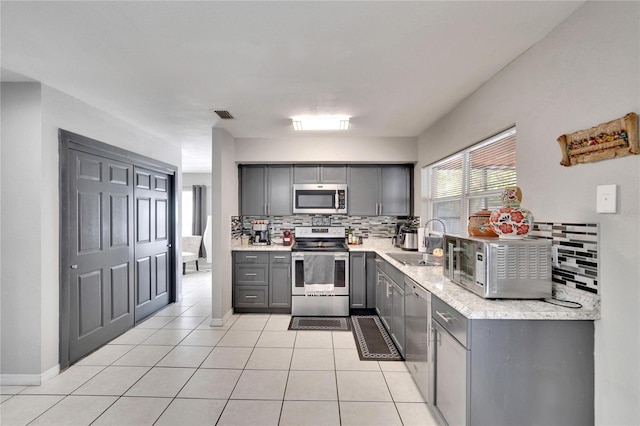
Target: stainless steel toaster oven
column 496, row 268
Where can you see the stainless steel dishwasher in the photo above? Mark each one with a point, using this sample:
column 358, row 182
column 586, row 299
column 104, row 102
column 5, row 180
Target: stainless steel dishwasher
column 418, row 325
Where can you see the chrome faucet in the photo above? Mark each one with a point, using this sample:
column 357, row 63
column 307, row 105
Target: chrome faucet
column 444, row 227
column 426, row 234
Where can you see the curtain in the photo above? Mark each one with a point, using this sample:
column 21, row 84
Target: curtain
column 199, row 216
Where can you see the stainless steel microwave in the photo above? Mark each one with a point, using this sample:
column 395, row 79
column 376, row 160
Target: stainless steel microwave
column 496, row 268
column 310, row 198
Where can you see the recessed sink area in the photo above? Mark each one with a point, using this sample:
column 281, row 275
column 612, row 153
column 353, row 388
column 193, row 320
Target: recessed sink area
column 416, row 259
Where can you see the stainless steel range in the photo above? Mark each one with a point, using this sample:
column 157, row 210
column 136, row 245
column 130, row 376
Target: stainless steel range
column 320, row 272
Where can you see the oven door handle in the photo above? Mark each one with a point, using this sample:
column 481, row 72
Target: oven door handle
column 337, row 255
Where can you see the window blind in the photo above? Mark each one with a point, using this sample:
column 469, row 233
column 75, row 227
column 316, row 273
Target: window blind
column 472, row 180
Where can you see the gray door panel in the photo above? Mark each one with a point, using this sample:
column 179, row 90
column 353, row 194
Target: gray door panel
column 100, row 277
column 152, row 244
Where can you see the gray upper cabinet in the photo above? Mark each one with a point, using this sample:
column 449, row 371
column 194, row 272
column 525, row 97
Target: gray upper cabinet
column 279, row 191
column 266, row 190
column 395, row 191
column 363, row 190
column 379, row 190
column 253, row 197
column 313, row 173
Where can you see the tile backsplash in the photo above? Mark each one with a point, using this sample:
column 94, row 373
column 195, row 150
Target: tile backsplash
column 577, row 243
column 363, row 226
column 578, row 256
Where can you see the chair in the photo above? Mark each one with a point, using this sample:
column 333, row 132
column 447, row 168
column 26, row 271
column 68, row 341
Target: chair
column 190, row 250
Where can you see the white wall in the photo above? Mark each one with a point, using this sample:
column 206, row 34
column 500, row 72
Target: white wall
column 326, row 150
column 224, row 189
column 584, row 73
column 21, row 228
column 58, row 110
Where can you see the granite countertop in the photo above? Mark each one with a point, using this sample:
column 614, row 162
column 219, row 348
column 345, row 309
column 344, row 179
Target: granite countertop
column 237, row 246
column 466, row 302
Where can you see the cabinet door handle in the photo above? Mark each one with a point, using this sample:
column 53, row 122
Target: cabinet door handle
column 251, row 257
column 251, row 297
column 279, row 257
column 446, row 317
column 251, row 274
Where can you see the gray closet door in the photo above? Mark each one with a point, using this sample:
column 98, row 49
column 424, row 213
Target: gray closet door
column 151, row 241
column 101, row 282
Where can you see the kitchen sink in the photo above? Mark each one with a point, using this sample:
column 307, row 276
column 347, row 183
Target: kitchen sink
column 416, row 259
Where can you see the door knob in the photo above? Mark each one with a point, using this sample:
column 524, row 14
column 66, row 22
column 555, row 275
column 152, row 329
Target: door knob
column 74, row 266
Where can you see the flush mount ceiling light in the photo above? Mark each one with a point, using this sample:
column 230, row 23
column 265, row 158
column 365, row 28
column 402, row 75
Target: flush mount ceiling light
column 319, row 122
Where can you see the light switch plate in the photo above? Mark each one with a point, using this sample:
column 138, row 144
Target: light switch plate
column 606, row 198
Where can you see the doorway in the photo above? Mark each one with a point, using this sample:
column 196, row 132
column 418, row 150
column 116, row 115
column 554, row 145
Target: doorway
column 117, row 234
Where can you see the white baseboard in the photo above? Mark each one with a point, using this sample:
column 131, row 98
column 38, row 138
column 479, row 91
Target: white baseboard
column 29, row 379
column 219, row 322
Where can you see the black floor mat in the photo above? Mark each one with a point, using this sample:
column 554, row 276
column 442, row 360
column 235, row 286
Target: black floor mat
column 320, row 323
column 372, row 340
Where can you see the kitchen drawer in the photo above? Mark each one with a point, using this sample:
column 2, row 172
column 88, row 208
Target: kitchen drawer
column 279, row 257
column 252, row 257
column 451, row 320
column 251, row 275
column 251, row 297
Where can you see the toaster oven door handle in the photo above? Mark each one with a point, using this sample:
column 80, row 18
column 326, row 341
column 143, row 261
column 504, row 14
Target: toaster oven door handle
column 451, row 261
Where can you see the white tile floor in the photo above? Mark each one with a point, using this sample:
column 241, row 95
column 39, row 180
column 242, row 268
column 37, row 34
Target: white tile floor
column 174, row 369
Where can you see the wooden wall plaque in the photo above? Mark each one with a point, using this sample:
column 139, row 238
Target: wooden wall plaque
column 615, row 138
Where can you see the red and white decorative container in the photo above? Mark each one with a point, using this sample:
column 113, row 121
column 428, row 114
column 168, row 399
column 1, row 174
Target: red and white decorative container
column 511, row 221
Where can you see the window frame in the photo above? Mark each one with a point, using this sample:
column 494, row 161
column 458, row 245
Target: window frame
column 465, row 198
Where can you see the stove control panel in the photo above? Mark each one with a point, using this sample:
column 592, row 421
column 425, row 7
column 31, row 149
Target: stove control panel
column 320, row 231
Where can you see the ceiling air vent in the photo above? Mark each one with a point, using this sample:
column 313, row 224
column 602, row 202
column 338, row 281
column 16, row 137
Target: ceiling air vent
column 225, row 115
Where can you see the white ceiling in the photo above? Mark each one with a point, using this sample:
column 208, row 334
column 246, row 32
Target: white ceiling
column 395, row 67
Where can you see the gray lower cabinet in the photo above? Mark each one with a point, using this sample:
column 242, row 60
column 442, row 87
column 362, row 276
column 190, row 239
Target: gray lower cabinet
column 511, row 372
column 262, row 281
column 390, row 301
column 280, row 280
column 379, row 190
column 358, row 280
column 362, row 280
column 417, row 308
column 324, row 173
column 266, row 190
column 397, row 316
